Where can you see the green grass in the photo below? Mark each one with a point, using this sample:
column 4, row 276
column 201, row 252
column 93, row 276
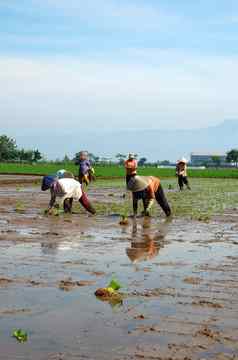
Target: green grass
column 112, row 171
column 207, row 198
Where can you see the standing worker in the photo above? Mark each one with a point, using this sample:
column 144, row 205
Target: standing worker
column 86, row 171
column 148, row 189
column 181, row 172
column 130, row 166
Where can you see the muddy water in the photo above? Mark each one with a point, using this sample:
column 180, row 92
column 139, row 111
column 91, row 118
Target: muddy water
column 180, row 285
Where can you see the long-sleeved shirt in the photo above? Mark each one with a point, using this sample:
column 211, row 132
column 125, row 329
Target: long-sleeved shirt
column 181, row 169
column 84, row 166
column 154, row 184
column 65, row 189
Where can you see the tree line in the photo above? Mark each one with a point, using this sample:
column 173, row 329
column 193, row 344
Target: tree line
column 10, row 152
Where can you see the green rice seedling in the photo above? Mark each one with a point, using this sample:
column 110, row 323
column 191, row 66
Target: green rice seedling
column 20, row 207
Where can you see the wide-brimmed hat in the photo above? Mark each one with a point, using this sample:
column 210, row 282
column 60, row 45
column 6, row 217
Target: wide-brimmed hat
column 182, row 160
column 138, row 183
column 131, row 156
column 60, row 173
column 64, row 174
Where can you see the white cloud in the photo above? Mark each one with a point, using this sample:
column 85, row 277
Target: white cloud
column 177, row 91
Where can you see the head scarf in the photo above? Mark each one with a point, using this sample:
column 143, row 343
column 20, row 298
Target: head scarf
column 47, row 181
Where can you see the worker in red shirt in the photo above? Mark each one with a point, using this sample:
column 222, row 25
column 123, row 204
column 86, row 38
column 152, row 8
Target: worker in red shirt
column 130, row 166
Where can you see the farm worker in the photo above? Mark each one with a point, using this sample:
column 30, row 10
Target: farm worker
column 67, row 190
column 64, row 174
column 181, row 172
column 148, row 189
column 86, row 171
column 130, row 166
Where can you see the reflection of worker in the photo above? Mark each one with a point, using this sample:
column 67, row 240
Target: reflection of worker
column 143, row 251
column 49, row 248
column 145, row 248
column 86, row 171
column 181, row 172
column 66, row 190
column 147, row 189
column 130, row 166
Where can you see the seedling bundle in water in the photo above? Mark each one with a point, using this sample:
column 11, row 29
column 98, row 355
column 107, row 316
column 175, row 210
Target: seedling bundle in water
column 20, row 335
column 124, row 220
column 114, row 284
column 110, row 292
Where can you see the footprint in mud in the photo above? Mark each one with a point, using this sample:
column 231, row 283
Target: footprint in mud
column 208, row 304
column 192, row 280
column 5, row 282
column 14, row 311
column 206, row 331
column 97, row 273
column 68, row 284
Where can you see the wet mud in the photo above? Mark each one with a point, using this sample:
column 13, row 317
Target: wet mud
column 179, row 299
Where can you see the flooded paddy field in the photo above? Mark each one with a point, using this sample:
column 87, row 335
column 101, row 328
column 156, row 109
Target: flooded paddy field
column 179, row 298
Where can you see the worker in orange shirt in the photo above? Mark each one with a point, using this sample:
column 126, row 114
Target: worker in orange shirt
column 130, row 166
column 148, row 189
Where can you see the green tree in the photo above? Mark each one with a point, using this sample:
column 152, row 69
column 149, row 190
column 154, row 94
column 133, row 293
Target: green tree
column 216, row 160
column 121, row 158
column 142, row 161
column 28, row 156
column 36, row 155
column 164, row 162
column 232, row 156
column 93, row 158
column 8, row 148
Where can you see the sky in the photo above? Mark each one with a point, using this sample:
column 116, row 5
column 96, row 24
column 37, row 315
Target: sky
column 72, row 66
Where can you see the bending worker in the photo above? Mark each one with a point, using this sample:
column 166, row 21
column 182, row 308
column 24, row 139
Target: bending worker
column 67, row 190
column 181, row 172
column 148, row 189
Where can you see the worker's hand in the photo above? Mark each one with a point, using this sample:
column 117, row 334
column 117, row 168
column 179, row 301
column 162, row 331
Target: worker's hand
column 48, row 211
column 149, row 206
column 86, row 179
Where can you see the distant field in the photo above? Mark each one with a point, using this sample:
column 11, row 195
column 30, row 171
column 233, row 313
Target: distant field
column 111, row 170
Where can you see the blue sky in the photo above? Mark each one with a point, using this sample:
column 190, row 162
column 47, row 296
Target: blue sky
column 74, row 65
column 81, row 28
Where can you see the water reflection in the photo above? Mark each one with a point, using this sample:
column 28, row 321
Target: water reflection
column 146, row 240
column 49, row 248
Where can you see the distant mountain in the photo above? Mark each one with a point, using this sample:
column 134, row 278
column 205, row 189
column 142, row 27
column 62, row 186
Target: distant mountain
column 153, row 144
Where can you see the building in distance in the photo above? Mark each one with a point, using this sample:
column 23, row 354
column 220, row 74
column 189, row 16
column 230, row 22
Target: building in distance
column 207, row 158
